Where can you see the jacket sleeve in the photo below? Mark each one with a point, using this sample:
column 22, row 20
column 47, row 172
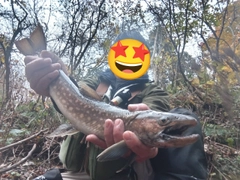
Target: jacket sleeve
column 92, row 82
column 155, row 98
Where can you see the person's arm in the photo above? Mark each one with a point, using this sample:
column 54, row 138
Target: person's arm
column 155, row 98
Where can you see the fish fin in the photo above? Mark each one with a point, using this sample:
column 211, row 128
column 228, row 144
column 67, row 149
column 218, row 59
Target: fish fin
column 131, row 118
column 113, row 152
column 63, row 130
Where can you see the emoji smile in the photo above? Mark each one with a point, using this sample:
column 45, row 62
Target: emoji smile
column 128, row 68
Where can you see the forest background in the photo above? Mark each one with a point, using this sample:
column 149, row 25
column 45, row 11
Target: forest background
column 194, row 57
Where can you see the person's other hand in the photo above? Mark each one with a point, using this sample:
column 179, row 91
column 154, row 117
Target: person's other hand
column 114, row 132
column 42, row 70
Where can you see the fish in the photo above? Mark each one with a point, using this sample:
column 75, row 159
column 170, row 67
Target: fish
column 153, row 128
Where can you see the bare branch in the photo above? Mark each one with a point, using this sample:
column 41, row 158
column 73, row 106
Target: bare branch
column 99, row 19
column 19, row 162
column 23, row 140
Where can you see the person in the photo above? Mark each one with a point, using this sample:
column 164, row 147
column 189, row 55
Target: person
column 186, row 163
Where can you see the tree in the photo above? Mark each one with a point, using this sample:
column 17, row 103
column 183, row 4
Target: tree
column 182, row 20
column 7, row 42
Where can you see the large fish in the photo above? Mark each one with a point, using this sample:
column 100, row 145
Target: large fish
column 154, row 129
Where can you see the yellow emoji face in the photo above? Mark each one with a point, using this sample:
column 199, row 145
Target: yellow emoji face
column 129, row 59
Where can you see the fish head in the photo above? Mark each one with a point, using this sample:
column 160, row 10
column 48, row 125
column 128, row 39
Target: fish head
column 165, row 130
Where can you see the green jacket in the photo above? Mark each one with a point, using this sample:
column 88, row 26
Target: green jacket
column 149, row 94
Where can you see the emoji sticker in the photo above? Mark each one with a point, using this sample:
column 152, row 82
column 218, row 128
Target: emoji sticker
column 129, row 59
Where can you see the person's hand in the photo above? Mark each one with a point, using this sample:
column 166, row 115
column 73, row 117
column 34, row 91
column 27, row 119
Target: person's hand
column 42, row 70
column 114, row 132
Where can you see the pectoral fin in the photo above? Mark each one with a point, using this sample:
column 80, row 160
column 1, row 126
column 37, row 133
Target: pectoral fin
column 113, row 152
column 63, row 130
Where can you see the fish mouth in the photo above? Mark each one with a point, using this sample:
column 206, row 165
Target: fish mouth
column 176, row 136
column 128, row 68
column 175, row 131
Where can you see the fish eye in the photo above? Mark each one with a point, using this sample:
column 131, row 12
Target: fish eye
column 164, row 121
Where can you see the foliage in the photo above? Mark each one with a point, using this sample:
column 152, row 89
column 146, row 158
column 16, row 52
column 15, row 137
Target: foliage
column 221, row 134
column 26, row 119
